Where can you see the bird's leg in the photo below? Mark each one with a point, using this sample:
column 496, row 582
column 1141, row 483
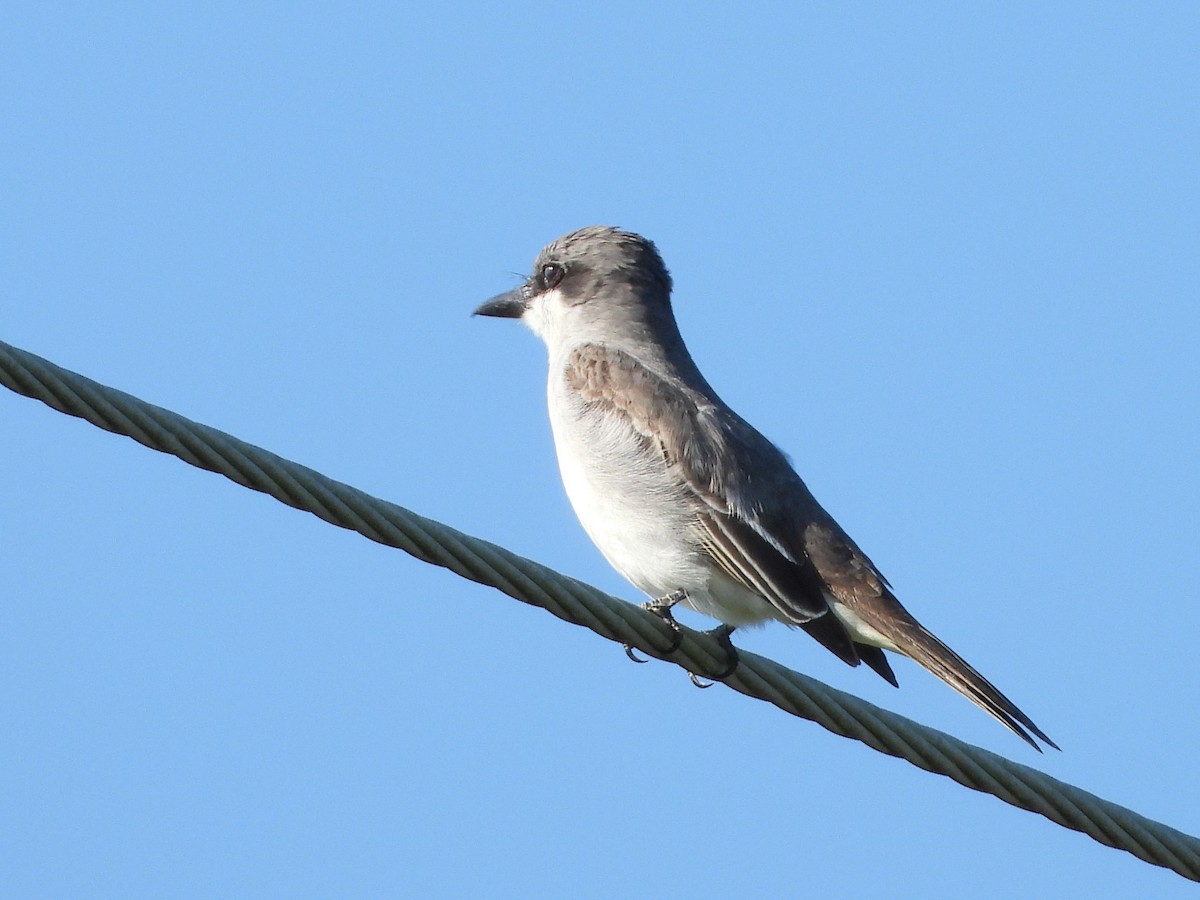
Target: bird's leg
column 721, row 633
column 661, row 607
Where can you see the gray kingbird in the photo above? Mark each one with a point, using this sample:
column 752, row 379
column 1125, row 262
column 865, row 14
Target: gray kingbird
column 682, row 496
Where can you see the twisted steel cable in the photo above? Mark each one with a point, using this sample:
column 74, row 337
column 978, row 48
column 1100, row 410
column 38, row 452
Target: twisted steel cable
column 579, row 603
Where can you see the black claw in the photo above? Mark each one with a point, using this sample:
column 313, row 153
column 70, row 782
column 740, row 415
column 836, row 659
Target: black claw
column 661, row 607
column 722, row 633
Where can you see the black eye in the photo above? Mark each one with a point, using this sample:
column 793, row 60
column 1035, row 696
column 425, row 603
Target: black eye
column 552, row 274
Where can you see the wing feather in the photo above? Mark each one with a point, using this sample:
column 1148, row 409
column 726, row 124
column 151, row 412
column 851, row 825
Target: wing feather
column 694, row 436
column 772, row 536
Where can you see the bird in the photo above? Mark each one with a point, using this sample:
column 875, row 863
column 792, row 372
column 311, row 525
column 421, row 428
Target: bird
column 682, row 496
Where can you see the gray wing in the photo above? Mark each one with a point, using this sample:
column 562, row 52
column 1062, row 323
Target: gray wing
column 766, row 530
column 696, row 437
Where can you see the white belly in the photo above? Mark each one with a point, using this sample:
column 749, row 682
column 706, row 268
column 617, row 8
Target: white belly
column 639, row 514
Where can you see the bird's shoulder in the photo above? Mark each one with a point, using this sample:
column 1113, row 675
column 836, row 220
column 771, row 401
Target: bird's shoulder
column 737, row 473
column 617, row 381
column 722, row 458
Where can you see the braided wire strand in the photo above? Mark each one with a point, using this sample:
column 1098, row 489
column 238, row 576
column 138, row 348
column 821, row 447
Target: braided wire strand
column 581, row 604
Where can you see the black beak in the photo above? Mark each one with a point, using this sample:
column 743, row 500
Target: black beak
column 509, row 305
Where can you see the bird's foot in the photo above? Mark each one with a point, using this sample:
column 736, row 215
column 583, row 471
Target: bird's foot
column 661, row 607
column 722, row 634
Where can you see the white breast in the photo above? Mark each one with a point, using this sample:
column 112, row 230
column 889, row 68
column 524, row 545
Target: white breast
column 636, row 510
column 631, row 508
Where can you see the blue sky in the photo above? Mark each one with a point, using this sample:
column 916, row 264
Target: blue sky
column 944, row 256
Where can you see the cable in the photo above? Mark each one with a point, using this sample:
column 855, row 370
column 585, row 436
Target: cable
column 579, row 603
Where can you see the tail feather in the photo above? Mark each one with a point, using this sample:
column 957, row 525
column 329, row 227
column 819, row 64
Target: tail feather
column 877, row 660
column 922, row 646
column 832, row 634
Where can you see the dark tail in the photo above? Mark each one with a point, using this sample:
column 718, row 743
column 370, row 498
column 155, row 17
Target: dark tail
column 919, row 644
